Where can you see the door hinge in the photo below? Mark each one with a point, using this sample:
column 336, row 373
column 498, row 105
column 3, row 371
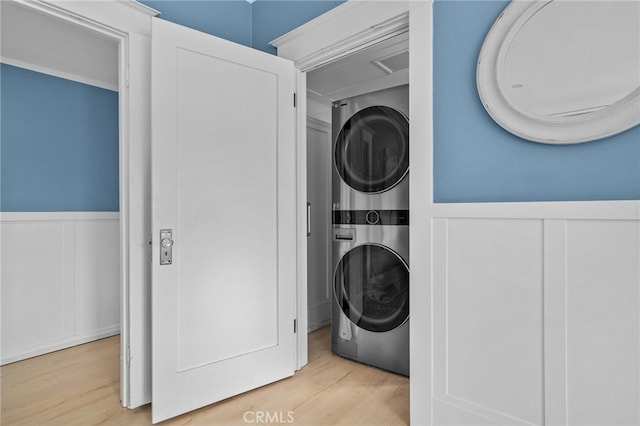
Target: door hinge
column 295, row 326
column 128, row 356
column 126, row 78
column 294, row 100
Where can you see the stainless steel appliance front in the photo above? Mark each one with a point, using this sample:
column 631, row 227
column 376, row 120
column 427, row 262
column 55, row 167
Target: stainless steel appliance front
column 370, row 307
column 371, row 151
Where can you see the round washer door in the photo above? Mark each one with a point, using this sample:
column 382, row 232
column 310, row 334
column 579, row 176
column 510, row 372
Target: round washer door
column 372, row 149
column 371, row 285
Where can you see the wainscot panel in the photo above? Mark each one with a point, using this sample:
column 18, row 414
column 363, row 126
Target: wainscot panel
column 536, row 313
column 60, row 281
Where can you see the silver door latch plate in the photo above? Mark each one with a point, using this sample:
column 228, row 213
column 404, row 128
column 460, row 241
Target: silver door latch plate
column 166, row 246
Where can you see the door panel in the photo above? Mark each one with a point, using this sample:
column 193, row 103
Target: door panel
column 211, row 156
column 224, row 181
column 318, row 242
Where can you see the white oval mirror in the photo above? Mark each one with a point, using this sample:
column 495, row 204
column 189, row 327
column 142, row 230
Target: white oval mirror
column 563, row 71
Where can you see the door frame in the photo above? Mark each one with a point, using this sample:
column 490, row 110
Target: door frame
column 127, row 23
column 123, row 143
column 312, row 45
column 326, row 39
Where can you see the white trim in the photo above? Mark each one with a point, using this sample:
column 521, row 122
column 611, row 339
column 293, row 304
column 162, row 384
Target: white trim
column 62, row 10
column 354, row 44
column 420, row 212
column 614, row 210
column 56, row 216
column 139, row 7
column 60, row 74
column 341, row 31
column 302, row 342
column 62, row 344
column 555, row 337
column 137, row 298
column 101, row 14
column 123, row 163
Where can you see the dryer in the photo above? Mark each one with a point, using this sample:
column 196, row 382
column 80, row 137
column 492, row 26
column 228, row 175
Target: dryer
column 371, row 151
column 370, row 194
column 370, row 307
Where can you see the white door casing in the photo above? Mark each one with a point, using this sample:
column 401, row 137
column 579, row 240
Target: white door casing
column 223, row 179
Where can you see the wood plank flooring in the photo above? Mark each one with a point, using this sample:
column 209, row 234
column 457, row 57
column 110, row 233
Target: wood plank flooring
column 81, row 386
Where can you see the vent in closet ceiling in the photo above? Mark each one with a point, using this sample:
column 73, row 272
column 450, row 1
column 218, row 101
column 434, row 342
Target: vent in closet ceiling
column 392, row 63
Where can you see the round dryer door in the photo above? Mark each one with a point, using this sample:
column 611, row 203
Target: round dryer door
column 372, row 149
column 372, row 287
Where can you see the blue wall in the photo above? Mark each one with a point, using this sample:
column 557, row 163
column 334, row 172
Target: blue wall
column 59, row 144
column 59, row 139
column 253, row 25
column 228, row 19
column 475, row 160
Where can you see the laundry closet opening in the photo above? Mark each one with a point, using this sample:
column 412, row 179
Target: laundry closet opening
column 358, row 203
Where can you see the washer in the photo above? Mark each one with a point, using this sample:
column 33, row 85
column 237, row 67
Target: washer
column 371, row 151
column 370, row 307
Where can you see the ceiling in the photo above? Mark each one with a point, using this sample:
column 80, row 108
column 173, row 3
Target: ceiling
column 385, row 64
column 40, row 42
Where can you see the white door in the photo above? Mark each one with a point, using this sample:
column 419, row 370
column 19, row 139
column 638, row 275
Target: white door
column 319, row 239
column 223, row 179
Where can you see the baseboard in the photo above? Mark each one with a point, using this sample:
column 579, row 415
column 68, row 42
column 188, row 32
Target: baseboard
column 61, row 344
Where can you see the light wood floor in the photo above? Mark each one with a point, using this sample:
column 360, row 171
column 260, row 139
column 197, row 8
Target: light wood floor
column 81, row 386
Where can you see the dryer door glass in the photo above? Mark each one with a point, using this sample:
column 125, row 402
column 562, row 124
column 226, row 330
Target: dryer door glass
column 372, row 287
column 372, row 149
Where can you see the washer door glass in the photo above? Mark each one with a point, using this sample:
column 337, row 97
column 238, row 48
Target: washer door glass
column 372, row 149
column 372, row 287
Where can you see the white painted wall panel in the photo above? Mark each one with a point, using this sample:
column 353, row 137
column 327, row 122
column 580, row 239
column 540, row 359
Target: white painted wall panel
column 97, row 274
column 36, row 290
column 494, row 315
column 603, row 323
column 546, row 307
column 60, row 281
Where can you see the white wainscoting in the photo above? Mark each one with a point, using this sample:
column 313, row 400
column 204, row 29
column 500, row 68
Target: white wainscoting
column 536, row 313
column 60, row 281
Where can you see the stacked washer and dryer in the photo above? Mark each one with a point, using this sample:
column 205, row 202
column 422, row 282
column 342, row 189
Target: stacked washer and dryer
column 370, row 191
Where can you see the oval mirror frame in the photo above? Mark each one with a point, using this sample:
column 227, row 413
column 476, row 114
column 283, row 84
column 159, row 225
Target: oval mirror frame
column 608, row 121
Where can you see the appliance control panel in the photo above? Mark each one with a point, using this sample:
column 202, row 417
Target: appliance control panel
column 370, row 217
